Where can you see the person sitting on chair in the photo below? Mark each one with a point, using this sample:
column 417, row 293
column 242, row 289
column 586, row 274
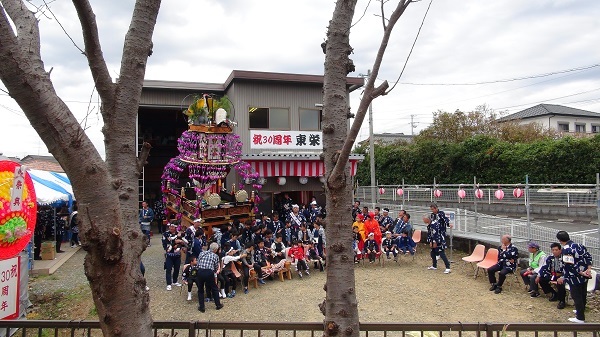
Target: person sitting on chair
column 536, row 260
column 507, row 262
column 550, row 272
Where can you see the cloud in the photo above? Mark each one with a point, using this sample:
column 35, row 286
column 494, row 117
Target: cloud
column 460, row 42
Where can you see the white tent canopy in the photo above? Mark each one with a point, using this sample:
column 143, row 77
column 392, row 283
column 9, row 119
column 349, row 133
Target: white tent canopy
column 52, row 188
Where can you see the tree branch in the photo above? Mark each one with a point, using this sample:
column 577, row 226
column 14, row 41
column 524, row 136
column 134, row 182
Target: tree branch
column 144, row 153
column 370, row 91
column 93, row 53
column 27, row 30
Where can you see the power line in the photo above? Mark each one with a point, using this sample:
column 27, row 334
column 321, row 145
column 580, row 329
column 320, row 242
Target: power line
column 550, row 99
column 509, row 79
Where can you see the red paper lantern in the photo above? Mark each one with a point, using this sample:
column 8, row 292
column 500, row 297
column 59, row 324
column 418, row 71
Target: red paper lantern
column 499, row 194
column 517, row 193
column 400, row 192
column 381, row 190
column 478, row 193
column 437, row 193
column 461, row 193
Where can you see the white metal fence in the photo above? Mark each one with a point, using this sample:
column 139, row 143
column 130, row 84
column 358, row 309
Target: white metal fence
column 561, row 195
column 468, row 224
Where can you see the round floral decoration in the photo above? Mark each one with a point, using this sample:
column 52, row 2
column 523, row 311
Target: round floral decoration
column 16, row 227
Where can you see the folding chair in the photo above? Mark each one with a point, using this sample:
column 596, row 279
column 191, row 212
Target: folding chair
column 476, row 256
column 591, row 285
column 416, row 238
column 490, row 259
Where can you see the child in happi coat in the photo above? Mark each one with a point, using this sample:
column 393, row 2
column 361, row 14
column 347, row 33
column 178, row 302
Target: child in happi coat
column 314, row 257
column 298, row 256
column 371, row 247
column 278, row 249
column 388, row 246
column 190, row 275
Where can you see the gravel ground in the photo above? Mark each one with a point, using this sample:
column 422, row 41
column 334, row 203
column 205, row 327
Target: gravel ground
column 397, row 292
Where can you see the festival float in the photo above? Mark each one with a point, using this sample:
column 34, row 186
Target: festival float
column 193, row 182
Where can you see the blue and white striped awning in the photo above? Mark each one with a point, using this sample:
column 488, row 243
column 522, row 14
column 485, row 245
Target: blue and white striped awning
column 52, row 188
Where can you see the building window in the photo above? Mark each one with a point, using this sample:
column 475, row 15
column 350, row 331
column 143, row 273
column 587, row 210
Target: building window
column 310, row 119
column 580, row 128
column 269, row 118
column 563, row 127
column 595, row 128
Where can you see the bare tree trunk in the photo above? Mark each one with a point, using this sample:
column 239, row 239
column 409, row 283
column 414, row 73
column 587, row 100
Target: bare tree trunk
column 340, row 307
column 106, row 191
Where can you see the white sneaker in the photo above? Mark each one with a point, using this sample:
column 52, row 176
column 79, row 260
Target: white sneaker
column 447, row 271
column 575, row 320
column 431, row 268
column 189, row 297
column 177, row 284
column 147, row 288
column 169, row 287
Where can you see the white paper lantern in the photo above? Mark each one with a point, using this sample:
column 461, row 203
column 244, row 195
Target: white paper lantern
column 261, row 181
column 322, row 179
column 281, row 181
column 303, row 180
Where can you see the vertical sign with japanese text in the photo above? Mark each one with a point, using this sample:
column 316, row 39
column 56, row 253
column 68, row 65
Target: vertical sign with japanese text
column 9, row 287
column 286, row 140
column 16, row 195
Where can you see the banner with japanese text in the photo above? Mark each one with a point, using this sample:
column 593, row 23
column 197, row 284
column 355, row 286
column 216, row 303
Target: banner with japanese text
column 9, row 285
column 286, row 140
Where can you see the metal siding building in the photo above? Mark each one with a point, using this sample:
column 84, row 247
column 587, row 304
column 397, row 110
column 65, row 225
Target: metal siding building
column 161, row 122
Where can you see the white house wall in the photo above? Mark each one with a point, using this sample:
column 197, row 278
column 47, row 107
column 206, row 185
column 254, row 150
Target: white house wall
column 551, row 122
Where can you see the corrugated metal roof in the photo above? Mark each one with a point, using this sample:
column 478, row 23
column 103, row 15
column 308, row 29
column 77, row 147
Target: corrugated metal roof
column 549, row 109
column 354, row 82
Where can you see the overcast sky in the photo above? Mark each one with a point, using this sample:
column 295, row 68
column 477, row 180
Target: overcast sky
column 461, row 42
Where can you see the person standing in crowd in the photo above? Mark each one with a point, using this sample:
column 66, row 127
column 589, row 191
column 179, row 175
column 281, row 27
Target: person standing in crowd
column 145, row 217
column 296, row 218
column 208, row 265
column 577, row 271
column 507, row 263
column 356, row 209
column 386, row 223
column 537, row 257
column 285, row 206
column 170, row 241
column 550, row 272
column 61, row 222
column 440, row 217
column 377, row 214
column 38, row 234
column 159, row 213
column 372, row 226
column 74, row 229
column 437, row 242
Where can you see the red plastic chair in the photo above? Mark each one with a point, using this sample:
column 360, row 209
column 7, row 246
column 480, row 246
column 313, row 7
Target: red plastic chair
column 491, row 258
column 476, row 256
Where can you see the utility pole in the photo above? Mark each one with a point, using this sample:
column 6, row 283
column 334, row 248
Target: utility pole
column 372, row 153
column 371, row 150
column 412, row 125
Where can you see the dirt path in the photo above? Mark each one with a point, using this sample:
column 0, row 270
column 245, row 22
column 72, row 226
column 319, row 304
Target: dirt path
column 403, row 292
